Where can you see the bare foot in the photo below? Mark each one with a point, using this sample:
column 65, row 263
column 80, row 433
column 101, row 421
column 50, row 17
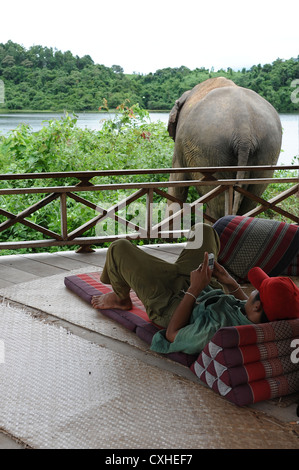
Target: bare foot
column 111, row 300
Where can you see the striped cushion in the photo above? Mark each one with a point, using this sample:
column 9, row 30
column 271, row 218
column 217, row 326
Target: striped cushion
column 247, row 242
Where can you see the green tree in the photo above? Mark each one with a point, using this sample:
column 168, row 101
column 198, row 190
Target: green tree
column 57, row 80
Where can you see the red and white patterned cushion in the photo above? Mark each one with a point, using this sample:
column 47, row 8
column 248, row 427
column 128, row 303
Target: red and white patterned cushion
column 251, row 363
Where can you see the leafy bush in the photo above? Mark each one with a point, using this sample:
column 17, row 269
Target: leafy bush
column 41, row 78
column 128, row 141
column 274, row 189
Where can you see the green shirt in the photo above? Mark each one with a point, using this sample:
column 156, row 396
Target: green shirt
column 214, row 310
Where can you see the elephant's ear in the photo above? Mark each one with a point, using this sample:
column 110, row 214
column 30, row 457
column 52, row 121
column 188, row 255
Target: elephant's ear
column 174, row 114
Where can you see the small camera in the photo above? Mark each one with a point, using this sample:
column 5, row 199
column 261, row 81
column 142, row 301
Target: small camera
column 211, row 261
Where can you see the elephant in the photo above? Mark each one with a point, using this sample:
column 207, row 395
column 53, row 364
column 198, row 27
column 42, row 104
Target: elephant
column 219, row 123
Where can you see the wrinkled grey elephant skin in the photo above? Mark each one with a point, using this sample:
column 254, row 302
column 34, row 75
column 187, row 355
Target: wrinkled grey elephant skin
column 218, row 123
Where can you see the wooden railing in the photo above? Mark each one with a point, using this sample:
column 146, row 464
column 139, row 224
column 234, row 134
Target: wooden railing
column 137, row 190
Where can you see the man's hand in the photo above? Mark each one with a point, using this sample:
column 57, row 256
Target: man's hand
column 220, row 273
column 200, row 277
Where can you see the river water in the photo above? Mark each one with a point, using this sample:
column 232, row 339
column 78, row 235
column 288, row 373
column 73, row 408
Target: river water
column 290, row 124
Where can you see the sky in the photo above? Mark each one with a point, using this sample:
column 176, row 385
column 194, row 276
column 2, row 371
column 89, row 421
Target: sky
column 144, row 36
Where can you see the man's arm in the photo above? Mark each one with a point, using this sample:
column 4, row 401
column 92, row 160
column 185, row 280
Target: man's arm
column 199, row 279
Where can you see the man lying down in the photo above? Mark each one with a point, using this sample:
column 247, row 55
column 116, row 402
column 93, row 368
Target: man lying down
column 187, row 298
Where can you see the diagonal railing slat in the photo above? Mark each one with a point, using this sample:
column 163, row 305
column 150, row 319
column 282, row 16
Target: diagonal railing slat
column 272, row 203
column 111, row 212
column 32, row 225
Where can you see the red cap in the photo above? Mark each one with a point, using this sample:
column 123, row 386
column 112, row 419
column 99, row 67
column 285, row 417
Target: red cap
column 279, row 295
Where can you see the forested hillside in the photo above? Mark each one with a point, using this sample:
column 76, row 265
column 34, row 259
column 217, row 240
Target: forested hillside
column 43, row 78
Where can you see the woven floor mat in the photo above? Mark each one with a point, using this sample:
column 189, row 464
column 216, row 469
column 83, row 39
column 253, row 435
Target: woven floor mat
column 51, row 296
column 60, row 391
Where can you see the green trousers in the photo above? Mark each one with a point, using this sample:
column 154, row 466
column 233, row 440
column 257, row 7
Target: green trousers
column 158, row 283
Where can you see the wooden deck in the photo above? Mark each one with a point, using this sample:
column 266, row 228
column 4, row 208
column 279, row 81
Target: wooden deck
column 16, row 269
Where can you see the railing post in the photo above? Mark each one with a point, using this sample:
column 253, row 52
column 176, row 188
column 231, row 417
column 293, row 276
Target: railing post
column 63, row 215
column 149, row 212
column 229, row 196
